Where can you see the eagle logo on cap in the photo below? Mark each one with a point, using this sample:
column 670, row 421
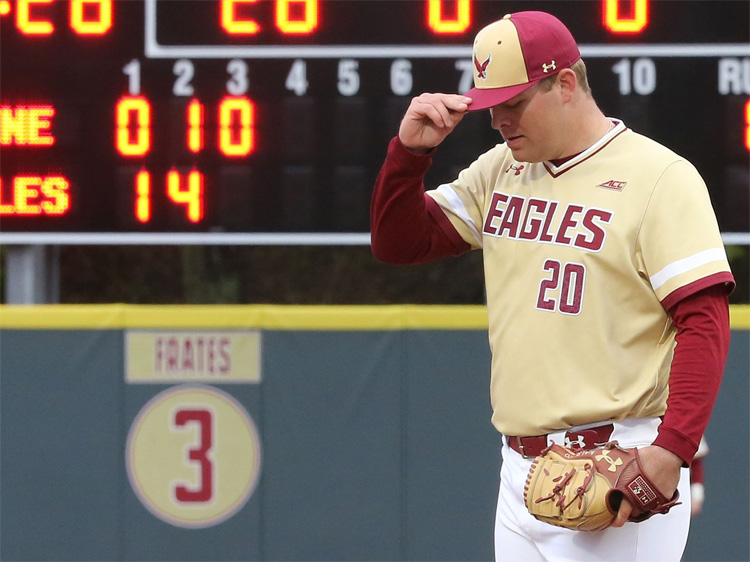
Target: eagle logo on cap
column 481, row 67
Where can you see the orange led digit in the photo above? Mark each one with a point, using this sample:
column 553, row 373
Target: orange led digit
column 195, row 132
column 26, row 24
column 308, row 21
column 232, row 24
column 133, row 118
column 26, row 125
column 747, row 124
column 99, row 25
column 440, row 24
column 191, row 196
column 634, row 24
column 236, row 126
column 143, row 196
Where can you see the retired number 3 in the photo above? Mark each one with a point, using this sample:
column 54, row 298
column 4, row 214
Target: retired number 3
column 563, row 289
column 200, row 456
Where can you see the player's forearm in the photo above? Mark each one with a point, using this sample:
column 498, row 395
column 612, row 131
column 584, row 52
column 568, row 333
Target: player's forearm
column 402, row 229
column 703, row 336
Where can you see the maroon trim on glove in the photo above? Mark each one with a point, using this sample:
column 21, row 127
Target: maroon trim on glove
column 407, row 225
column 642, row 494
column 703, row 334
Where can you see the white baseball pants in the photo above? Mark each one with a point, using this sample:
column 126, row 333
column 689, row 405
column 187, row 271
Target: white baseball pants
column 519, row 537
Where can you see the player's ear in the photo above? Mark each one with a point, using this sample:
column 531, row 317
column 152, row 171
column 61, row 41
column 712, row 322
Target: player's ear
column 567, row 81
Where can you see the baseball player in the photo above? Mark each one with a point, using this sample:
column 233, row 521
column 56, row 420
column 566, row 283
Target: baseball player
column 607, row 281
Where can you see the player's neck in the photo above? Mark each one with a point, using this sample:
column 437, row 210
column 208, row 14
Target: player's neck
column 585, row 130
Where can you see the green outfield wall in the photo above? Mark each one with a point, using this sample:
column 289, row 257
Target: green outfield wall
column 279, row 433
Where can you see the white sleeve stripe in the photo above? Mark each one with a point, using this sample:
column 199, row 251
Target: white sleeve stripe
column 458, row 207
column 684, row 265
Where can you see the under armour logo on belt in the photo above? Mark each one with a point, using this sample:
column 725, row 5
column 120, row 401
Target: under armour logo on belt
column 579, row 443
column 613, row 463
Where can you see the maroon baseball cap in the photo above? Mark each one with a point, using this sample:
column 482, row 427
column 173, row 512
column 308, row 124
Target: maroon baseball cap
column 516, row 52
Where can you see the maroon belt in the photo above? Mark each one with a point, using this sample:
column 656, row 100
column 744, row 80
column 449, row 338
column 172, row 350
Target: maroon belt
column 576, row 439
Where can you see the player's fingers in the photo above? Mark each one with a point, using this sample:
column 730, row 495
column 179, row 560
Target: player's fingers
column 437, row 112
column 622, row 514
column 456, row 107
column 442, row 109
column 430, row 118
column 457, row 103
column 459, row 113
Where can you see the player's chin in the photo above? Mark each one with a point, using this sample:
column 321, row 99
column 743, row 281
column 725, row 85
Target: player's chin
column 525, row 154
column 522, row 149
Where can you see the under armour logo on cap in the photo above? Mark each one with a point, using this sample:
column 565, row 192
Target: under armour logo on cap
column 518, row 51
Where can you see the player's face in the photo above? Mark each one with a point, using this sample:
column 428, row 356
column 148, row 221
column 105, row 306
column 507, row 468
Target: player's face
column 530, row 124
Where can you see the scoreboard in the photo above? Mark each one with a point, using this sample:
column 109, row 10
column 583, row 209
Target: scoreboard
column 143, row 121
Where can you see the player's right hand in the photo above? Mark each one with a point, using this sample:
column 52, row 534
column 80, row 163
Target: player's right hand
column 430, row 118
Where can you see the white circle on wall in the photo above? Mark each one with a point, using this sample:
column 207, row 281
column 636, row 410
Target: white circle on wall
column 193, row 456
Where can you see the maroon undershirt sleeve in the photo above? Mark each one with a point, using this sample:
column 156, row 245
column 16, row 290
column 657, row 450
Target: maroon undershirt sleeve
column 697, row 472
column 407, row 226
column 703, row 334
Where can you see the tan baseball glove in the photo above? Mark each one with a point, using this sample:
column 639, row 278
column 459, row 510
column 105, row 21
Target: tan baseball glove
column 583, row 489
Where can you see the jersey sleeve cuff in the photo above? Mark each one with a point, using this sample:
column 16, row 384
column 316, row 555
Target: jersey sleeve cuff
column 677, row 444
column 677, row 295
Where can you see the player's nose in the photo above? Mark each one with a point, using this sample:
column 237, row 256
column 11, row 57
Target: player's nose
column 500, row 118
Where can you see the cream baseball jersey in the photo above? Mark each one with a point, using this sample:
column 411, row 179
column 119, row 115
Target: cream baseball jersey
column 581, row 261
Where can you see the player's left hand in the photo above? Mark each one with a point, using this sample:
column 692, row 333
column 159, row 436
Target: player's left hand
column 663, row 469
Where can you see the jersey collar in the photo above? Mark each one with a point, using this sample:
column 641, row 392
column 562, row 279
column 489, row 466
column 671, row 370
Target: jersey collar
column 618, row 128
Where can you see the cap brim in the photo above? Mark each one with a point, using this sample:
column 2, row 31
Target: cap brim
column 490, row 97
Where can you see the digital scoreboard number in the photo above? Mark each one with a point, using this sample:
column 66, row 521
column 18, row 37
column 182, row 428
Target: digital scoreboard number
column 208, row 118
